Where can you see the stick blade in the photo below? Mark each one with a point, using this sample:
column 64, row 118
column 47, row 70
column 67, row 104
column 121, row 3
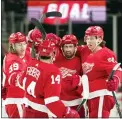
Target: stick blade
column 53, row 14
column 113, row 70
column 39, row 26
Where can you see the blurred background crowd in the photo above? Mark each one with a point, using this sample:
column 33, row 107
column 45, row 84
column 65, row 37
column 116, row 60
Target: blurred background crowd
column 77, row 16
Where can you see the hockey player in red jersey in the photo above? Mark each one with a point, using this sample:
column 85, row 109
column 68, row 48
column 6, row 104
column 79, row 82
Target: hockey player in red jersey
column 14, row 63
column 42, row 83
column 97, row 65
column 70, row 67
column 56, row 40
column 35, row 37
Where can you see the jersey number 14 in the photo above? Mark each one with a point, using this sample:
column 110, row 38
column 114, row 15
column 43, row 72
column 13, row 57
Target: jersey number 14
column 55, row 79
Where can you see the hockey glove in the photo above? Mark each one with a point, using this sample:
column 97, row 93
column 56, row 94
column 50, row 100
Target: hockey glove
column 76, row 84
column 112, row 85
column 70, row 113
column 3, row 92
column 35, row 36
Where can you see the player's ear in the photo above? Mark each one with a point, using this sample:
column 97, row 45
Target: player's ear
column 61, row 49
column 13, row 46
column 99, row 40
column 75, row 48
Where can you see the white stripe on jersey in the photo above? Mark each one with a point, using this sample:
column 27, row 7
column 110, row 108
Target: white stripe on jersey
column 72, row 102
column 4, row 79
column 4, row 63
column 51, row 99
column 19, row 106
column 100, row 108
column 9, row 80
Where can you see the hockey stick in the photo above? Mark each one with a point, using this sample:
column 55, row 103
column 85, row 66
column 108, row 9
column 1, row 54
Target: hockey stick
column 52, row 14
column 38, row 23
column 39, row 26
column 113, row 93
column 84, row 81
column 109, row 78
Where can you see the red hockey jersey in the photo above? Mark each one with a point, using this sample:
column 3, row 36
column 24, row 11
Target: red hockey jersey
column 83, row 52
column 12, row 65
column 69, row 94
column 42, row 84
column 98, row 66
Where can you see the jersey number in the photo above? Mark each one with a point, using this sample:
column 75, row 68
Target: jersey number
column 13, row 67
column 31, row 88
column 55, row 79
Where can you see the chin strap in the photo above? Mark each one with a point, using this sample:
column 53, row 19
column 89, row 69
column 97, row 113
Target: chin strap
column 97, row 44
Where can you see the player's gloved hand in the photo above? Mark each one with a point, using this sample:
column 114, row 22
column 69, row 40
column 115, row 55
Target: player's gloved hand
column 35, row 36
column 29, row 37
column 3, row 92
column 112, row 85
column 29, row 40
column 75, row 80
column 70, row 113
column 76, row 84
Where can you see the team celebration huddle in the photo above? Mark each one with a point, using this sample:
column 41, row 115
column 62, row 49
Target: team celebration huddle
column 57, row 78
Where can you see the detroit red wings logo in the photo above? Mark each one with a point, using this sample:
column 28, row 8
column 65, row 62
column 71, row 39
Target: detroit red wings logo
column 66, row 72
column 87, row 67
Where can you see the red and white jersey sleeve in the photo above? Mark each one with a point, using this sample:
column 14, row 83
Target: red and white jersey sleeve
column 12, row 65
column 42, row 83
column 52, row 95
column 109, row 61
column 83, row 52
column 49, row 86
column 70, row 69
column 98, row 66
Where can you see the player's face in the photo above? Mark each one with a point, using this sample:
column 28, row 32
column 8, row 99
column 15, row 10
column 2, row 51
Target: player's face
column 20, row 48
column 92, row 42
column 69, row 50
